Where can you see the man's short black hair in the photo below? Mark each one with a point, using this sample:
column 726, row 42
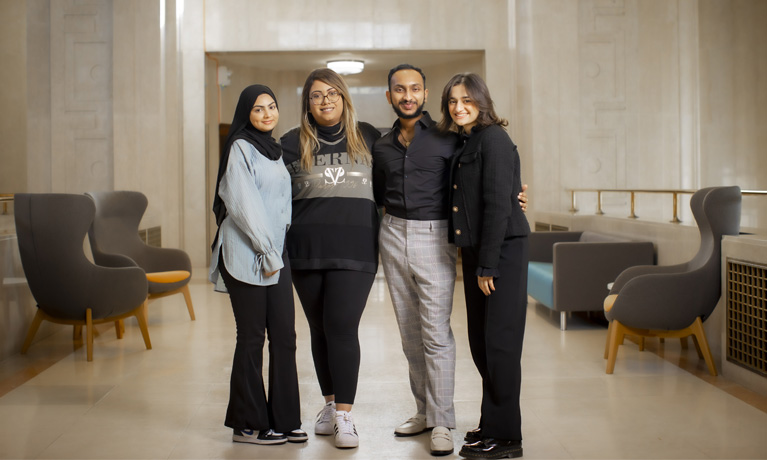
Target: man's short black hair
column 405, row 67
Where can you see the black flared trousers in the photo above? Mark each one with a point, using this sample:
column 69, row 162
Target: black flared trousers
column 496, row 326
column 261, row 311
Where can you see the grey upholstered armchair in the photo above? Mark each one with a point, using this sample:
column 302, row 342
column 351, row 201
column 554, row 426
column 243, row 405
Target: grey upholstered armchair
column 673, row 301
column 67, row 287
column 114, row 235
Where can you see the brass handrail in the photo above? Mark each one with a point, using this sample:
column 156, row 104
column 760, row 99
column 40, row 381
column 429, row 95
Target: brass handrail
column 674, row 193
column 5, row 198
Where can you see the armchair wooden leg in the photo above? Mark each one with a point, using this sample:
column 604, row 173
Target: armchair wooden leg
column 77, row 332
column 141, row 317
column 697, row 347
column 683, row 341
column 641, row 343
column 89, row 334
column 36, row 321
column 616, row 337
column 607, row 340
column 119, row 328
column 188, row 299
column 700, row 335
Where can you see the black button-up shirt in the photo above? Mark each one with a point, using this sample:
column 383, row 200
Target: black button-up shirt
column 412, row 183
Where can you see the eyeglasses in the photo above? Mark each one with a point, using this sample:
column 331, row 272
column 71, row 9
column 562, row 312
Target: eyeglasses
column 318, row 98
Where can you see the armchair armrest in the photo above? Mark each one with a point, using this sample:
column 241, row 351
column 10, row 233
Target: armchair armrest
column 632, row 272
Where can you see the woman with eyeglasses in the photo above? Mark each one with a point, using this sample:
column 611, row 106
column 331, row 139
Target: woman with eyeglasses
column 332, row 241
column 252, row 208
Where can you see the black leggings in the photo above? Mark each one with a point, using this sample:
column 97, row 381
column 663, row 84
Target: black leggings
column 258, row 311
column 333, row 301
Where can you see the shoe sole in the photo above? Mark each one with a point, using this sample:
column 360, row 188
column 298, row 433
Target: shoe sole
column 441, row 453
column 260, row 442
column 298, row 440
column 516, row 453
column 347, row 447
column 400, row 434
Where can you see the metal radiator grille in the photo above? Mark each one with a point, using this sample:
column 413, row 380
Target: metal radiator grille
column 747, row 315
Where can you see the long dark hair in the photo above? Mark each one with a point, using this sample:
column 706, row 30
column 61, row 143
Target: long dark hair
column 479, row 94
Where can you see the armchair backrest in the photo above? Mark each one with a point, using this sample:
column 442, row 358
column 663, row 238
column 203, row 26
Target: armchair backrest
column 116, row 224
column 717, row 213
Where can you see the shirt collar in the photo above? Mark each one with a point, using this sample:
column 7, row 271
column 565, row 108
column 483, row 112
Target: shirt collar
column 425, row 121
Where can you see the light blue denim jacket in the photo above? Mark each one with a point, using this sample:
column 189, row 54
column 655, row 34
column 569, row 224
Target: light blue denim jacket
column 257, row 195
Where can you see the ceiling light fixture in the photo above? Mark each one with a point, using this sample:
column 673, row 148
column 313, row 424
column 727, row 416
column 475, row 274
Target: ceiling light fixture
column 346, row 67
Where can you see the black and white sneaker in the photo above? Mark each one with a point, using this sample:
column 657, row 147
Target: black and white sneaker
column 297, row 436
column 263, row 437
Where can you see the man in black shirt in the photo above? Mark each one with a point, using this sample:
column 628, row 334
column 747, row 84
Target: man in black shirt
column 410, row 179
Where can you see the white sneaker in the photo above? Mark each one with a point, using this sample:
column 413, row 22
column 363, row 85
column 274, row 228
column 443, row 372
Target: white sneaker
column 441, row 441
column 323, row 425
column 346, row 432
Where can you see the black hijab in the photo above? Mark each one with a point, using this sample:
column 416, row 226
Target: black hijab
column 242, row 128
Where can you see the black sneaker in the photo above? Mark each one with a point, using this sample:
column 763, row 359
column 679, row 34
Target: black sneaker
column 263, row 437
column 297, row 436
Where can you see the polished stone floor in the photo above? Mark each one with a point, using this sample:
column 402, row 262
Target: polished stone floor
column 169, row 402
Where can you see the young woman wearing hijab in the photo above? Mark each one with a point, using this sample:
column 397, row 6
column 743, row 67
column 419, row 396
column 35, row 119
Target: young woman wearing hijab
column 487, row 223
column 253, row 209
column 332, row 242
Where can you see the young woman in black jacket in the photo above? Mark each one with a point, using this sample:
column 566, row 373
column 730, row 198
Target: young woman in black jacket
column 487, row 223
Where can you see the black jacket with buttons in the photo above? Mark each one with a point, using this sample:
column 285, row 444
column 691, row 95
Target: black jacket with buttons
column 484, row 184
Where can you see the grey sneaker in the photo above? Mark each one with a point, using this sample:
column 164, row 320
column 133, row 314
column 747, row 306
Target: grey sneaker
column 346, row 432
column 323, row 425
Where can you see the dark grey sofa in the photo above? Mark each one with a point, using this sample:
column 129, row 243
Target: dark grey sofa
column 570, row 271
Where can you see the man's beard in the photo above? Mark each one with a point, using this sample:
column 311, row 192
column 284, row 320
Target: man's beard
column 407, row 116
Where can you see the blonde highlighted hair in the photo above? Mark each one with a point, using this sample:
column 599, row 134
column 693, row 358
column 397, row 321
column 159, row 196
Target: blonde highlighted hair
column 308, row 141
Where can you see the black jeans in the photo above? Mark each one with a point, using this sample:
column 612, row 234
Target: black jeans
column 496, row 325
column 333, row 301
column 258, row 311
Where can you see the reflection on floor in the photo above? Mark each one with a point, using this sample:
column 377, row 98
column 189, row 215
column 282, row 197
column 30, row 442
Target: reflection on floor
column 169, row 402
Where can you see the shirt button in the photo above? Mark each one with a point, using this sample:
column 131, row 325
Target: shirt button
column 459, row 165
column 455, row 208
column 455, row 187
column 458, row 232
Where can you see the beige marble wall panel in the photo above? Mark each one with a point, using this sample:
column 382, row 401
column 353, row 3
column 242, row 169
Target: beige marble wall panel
column 13, row 97
column 139, row 109
column 81, row 89
column 234, row 25
column 194, row 237
column 613, row 90
column 38, row 71
column 733, row 68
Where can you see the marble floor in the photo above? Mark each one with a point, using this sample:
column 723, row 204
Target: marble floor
column 169, row 402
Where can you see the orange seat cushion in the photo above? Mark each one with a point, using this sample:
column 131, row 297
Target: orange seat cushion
column 168, row 277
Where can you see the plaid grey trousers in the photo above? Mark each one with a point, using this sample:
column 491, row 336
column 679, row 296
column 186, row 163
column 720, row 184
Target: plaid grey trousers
column 420, row 267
